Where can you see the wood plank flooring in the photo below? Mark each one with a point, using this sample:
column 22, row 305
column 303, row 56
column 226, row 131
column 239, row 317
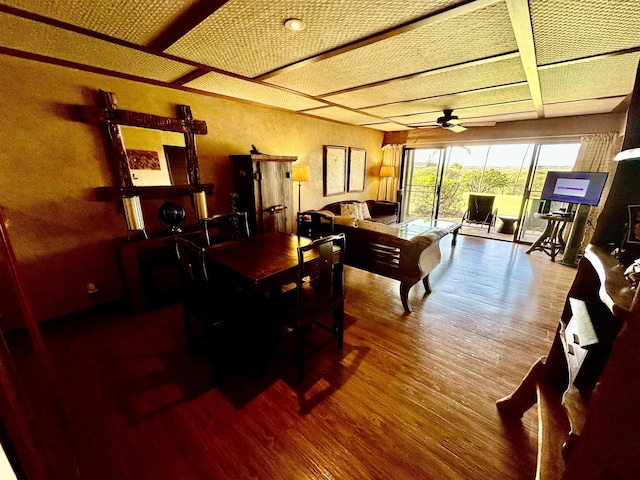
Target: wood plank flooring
column 411, row 396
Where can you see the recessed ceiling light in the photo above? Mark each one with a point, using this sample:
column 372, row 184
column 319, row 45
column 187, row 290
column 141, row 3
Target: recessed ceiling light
column 294, row 24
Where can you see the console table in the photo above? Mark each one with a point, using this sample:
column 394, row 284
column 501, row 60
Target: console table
column 146, row 261
column 588, row 387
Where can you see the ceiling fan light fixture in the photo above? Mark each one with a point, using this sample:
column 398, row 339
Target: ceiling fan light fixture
column 294, row 24
column 456, row 128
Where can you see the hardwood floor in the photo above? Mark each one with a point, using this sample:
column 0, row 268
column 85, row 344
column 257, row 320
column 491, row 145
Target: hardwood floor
column 411, row 396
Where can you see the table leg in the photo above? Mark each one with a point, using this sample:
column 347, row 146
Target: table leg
column 454, row 234
column 537, row 245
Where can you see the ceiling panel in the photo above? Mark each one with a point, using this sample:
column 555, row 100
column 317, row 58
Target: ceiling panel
column 41, row 39
column 134, row 21
column 250, row 38
column 362, row 62
column 595, row 78
column 566, row 30
column 235, row 87
column 452, row 41
column 583, row 107
column 511, row 93
column 343, row 115
column 387, row 127
column 500, row 71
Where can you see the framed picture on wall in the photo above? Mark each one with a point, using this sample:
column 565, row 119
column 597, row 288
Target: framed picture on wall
column 357, row 169
column 634, row 224
column 335, row 170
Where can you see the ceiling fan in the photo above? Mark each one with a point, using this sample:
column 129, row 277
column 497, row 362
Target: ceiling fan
column 449, row 121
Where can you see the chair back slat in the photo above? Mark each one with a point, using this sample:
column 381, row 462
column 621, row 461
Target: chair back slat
column 232, row 226
column 315, row 224
column 191, row 259
column 328, row 273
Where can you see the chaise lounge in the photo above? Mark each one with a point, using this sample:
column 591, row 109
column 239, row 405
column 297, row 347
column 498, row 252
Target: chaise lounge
column 394, row 251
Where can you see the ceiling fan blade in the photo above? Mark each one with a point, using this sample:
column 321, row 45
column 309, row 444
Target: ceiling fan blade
column 456, row 128
column 479, row 124
column 454, row 121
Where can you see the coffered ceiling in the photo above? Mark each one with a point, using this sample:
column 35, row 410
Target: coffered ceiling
column 385, row 64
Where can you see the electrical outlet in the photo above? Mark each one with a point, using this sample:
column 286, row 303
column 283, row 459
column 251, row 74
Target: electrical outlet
column 92, row 288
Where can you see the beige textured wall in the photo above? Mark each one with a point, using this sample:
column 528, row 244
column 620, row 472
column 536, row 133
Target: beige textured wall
column 52, row 163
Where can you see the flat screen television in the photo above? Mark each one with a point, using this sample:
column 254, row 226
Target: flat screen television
column 584, row 188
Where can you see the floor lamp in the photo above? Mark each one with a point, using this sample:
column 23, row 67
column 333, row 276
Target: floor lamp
column 386, row 173
column 300, row 174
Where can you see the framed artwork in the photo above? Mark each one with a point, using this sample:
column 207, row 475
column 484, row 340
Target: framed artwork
column 634, row 224
column 143, row 159
column 357, row 169
column 335, row 170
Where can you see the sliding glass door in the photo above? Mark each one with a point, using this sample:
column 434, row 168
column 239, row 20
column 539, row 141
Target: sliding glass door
column 547, row 157
column 437, row 182
column 422, row 175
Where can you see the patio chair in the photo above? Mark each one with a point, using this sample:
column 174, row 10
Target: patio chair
column 480, row 211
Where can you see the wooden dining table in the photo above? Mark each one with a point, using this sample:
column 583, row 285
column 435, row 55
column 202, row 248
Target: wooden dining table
column 262, row 263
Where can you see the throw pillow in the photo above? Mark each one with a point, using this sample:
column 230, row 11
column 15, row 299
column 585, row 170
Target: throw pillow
column 346, row 221
column 364, row 211
column 377, row 227
column 350, row 210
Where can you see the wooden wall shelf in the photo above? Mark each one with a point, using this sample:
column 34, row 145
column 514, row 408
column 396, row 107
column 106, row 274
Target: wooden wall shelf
column 146, row 193
column 262, row 157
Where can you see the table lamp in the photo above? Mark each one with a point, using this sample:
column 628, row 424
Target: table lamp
column 300, row 174
column 133, row 215
column 386, row 173
column 201, row 209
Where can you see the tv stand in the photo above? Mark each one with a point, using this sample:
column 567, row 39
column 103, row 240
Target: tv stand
column 551, row 241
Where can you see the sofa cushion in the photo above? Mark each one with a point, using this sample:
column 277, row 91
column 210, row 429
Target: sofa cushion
column 350, row 210
column 364, row 210
column 377, row 227
column 346, row 221
column 380, row 210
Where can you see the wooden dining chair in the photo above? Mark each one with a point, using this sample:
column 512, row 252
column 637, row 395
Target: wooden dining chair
column 224, row 315
column 320, row 299
column 314, row 224
column 195, row 289
column 231, row 226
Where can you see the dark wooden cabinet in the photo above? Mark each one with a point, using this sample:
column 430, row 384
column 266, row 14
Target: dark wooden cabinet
column 264, row 190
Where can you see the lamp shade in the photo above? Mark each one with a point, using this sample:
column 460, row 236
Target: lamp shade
column 300, row 173
column 386, row 172
column 200, row 205
column 629, row 154
column 133, row 213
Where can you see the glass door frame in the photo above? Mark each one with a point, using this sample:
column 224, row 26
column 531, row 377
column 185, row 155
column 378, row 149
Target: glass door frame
column 406, row 174
column 407, row 170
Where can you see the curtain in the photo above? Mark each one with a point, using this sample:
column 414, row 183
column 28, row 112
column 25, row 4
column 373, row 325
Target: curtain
column 391, row 157
column 597, row 155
